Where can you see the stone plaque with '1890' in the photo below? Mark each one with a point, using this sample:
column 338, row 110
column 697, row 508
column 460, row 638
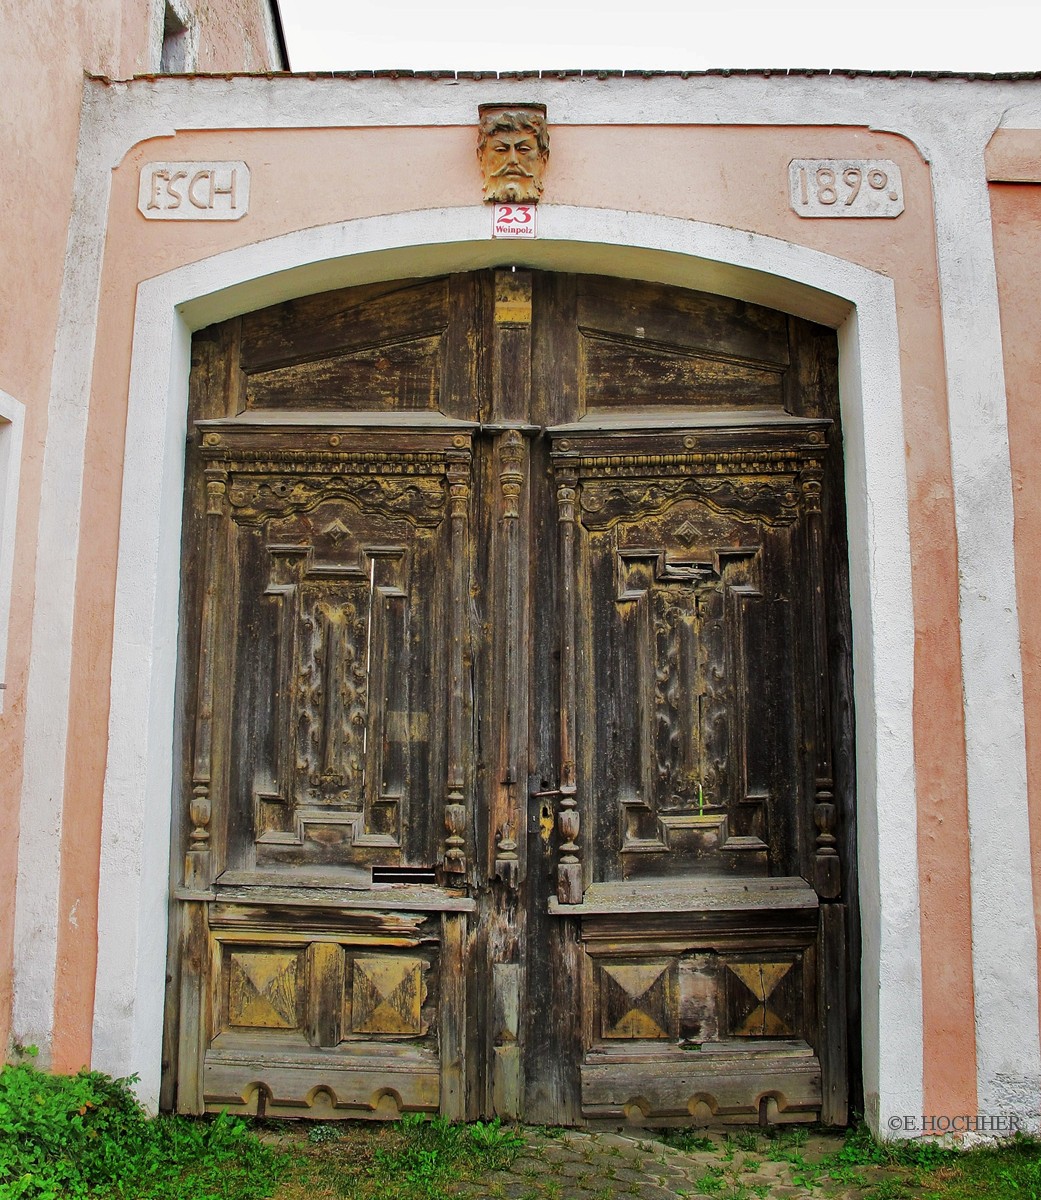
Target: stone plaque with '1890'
column 194, row 191
column 845, row 187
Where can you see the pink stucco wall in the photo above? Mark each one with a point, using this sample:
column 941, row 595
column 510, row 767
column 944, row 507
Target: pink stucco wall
column 1016, row 213
column 672, row 171
column 45, row 49
column 729, row 176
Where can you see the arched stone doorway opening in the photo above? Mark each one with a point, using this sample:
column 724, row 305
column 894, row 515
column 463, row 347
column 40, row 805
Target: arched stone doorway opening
column 858, row 303
column 517, row 752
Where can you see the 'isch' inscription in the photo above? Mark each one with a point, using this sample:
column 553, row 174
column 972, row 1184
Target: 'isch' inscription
column 194, row 191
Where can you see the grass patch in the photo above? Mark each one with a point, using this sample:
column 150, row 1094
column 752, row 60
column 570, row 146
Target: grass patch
column 913, row 1170
column 927, row 1170
column 85, row 1137
column 923, row 1169
column 416, row 1158
column 66, row 1137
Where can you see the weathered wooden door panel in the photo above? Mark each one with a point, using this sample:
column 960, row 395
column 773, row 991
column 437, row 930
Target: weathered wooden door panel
column 387, row 347
column 690, row 558
column 327, row 584
column 697, row 1002
column 700, row 742
column 331, row 772
column 335, row 622
column 508, row 749
column 641, row 344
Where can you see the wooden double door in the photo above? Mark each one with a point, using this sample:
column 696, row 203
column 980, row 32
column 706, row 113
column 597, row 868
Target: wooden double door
column 515, row 771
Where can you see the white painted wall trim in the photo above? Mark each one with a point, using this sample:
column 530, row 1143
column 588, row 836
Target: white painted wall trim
column 12, row 425
column 912, row 108
column 1004, row 931
column 135, row 834
column 54, row 595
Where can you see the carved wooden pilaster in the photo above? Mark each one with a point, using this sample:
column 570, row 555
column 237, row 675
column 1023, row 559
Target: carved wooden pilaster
column 197, row 858
column 827, row 866
column 507, row 862
column 569, row 867
column 455, row 796
column 511, row 479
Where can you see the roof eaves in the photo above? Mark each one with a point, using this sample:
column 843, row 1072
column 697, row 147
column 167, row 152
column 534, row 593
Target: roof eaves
column 599, row 74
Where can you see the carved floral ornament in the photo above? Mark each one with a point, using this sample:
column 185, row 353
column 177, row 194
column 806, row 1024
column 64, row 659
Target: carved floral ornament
column 513, row 149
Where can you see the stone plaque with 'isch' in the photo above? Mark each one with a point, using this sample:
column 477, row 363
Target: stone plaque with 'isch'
column 194, row 191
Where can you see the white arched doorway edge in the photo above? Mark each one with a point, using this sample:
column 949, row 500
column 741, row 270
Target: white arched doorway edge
column 859, row 303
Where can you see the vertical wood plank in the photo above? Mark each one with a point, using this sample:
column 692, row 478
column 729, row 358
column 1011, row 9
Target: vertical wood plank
column 194, row 1014
column 325, row 992
column 502, row 944
column 507, row 1083
column 831, row 1014
column 208, row 395
column 453, row 1016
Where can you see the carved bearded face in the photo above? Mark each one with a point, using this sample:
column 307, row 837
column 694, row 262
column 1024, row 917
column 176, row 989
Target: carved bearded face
column 513, row 149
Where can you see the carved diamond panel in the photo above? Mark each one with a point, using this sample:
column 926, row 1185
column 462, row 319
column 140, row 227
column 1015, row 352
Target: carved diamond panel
column 387, row 996
column 698, row 996
column 263, row 989
column 636, row 999
column 758, row 1009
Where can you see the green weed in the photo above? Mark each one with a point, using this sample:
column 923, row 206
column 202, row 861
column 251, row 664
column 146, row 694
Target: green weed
column 494, row 1136
column 688, row 1141
column 317, row 1135
column 785, row 1137
column 712, row 1181
column 860, row 1149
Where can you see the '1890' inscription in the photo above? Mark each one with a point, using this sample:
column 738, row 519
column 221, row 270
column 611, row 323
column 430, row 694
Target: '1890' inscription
column 845, row 187
column 194, row 191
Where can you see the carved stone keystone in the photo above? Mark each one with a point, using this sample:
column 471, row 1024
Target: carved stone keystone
column 513, row 149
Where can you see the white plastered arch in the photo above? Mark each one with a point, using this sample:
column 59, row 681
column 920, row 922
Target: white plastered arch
column 859, row 303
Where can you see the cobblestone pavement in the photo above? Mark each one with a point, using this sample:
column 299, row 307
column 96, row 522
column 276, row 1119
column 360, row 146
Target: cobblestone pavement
column 573, row 1165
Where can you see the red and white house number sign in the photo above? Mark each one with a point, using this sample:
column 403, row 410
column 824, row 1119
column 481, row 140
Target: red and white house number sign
column 513, row 220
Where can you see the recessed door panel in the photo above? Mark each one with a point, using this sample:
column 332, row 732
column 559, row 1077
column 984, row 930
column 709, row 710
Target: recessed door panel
column 332, row 693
